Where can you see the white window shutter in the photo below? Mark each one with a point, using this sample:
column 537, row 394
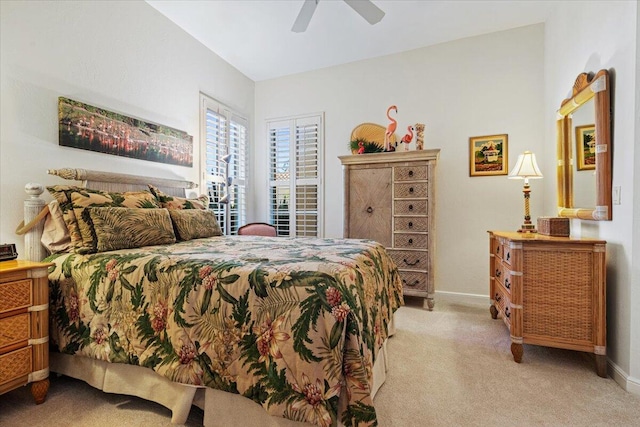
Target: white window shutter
column 295, row 165
column 225, row 133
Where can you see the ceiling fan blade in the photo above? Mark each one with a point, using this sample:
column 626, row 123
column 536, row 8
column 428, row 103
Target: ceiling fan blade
column 304, row 17
column 369, row 11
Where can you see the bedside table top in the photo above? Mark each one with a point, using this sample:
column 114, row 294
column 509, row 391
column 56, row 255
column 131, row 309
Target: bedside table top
column 19, row 264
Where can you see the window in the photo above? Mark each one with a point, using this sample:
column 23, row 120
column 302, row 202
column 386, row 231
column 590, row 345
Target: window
column 295, row 162
column 224, row 132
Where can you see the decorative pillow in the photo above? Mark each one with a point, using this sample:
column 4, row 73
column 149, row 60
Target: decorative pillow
column 194, row 223
column 55, row 235
column 123, row 228
column 174, row 202
column 62, row 194
column 81, row 200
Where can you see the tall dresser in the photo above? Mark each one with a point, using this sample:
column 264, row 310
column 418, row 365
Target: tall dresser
column 550, row 291
column 390, row 198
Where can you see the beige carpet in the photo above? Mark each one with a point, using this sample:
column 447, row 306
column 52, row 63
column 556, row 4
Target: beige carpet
column 448, row 367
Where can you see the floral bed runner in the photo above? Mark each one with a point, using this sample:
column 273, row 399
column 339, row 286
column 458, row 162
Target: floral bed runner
column 293, row 324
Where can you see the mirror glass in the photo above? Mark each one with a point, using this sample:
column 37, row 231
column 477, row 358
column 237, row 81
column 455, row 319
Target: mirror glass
column 584, row 150
column 583, row 163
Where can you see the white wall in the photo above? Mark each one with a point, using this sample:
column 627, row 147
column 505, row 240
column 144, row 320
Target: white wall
column 123, row 56
column 483, row 85
column 587, row 37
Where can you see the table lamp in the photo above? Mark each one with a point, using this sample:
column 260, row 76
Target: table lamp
column 526, row 168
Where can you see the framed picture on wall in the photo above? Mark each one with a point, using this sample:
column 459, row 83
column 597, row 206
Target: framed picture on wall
column 92, row 128
column 586, row 147
column 488, row 155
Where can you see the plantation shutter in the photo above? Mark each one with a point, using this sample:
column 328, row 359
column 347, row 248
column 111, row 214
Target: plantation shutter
column 225, row 133
column 295, row 165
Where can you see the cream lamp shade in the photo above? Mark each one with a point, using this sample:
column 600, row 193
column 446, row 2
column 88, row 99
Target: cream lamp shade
column 526, row 167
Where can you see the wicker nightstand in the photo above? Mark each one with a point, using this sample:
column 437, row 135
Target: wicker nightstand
column 550, row 291
column 24, row 327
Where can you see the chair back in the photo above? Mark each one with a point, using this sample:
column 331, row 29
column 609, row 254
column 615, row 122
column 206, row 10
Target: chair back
column 258, row 229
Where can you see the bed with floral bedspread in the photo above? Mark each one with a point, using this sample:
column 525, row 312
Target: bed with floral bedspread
column 293, row 324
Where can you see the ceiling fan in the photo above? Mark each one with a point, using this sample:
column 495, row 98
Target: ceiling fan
column 369, row 11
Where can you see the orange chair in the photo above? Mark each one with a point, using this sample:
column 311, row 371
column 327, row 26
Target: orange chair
column 258, row 229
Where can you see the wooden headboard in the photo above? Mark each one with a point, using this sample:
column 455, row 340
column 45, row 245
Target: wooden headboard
column 97, row 180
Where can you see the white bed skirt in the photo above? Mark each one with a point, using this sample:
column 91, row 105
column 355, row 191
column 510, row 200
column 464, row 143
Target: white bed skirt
column 220, row 408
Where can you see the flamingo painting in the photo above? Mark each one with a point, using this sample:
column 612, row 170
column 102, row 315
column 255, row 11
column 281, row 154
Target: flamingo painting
column 407, row 138
column 391, row 128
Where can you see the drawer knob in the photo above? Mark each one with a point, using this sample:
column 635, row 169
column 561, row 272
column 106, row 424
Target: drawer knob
column 410, row 173
column 410, row 224
column 411, row 241
column 369, row 209
column 415, row 282
column 507, row 312
column 498, row 273
column 498, row 298
column 411, row 190
column 410, row 207
column 409, row 263
column 508, row 255
column 507, row 283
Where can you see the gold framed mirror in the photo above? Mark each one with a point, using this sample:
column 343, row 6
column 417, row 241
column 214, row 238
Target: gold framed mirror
column 584, row 149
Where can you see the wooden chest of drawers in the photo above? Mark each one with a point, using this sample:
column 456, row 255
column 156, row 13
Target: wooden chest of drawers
column 390, row 198
column 24, row 327
column 550, row 291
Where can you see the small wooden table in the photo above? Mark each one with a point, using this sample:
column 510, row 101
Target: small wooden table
column 24, row 327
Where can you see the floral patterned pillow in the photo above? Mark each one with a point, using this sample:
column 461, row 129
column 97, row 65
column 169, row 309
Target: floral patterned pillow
column 173, row 202
column 194, row 223
column 81, row 200
column 123, row 228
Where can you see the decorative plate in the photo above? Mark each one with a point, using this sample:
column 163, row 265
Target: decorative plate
column 371, row 132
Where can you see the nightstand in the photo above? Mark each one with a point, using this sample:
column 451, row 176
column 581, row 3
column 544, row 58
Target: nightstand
column 550, row 291
column 24, row 327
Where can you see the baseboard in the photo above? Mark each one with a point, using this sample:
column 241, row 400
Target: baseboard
column 462, row 298
column 628, row 383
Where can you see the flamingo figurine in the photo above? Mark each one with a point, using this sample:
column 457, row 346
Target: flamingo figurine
column 391, row 128
column 360, row 147
column 407, row 138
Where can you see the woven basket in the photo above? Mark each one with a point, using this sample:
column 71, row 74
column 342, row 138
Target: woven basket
column 550, row 226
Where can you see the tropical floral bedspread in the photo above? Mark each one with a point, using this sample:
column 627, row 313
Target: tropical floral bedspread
column 293, row 324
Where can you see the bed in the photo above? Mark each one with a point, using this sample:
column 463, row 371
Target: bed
column 254, row 330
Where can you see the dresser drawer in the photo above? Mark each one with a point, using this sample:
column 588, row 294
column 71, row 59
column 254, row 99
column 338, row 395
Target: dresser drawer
column 419, row 223
column 412, row 260
column 14, row 329
column 15, row 364
column 410, row 173
column 414, row 281
column 503, row 303
column 496, row 249
column 403, row 190
column 410, row 240
column 498, row 273
column 410, row 207
column 506, row 252
column 15, row 295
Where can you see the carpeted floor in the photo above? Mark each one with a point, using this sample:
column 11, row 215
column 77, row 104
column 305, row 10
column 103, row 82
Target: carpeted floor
column 448, row 367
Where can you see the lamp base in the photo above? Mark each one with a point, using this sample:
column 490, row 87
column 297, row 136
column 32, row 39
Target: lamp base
column 527, row 228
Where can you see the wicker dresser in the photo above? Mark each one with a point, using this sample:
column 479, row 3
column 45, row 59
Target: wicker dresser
column 550, row 291
column 24, row 327
column 390, row 198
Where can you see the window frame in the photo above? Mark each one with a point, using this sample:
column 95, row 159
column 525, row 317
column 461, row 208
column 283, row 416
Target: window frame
column 238, row 163
column 293, row 183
